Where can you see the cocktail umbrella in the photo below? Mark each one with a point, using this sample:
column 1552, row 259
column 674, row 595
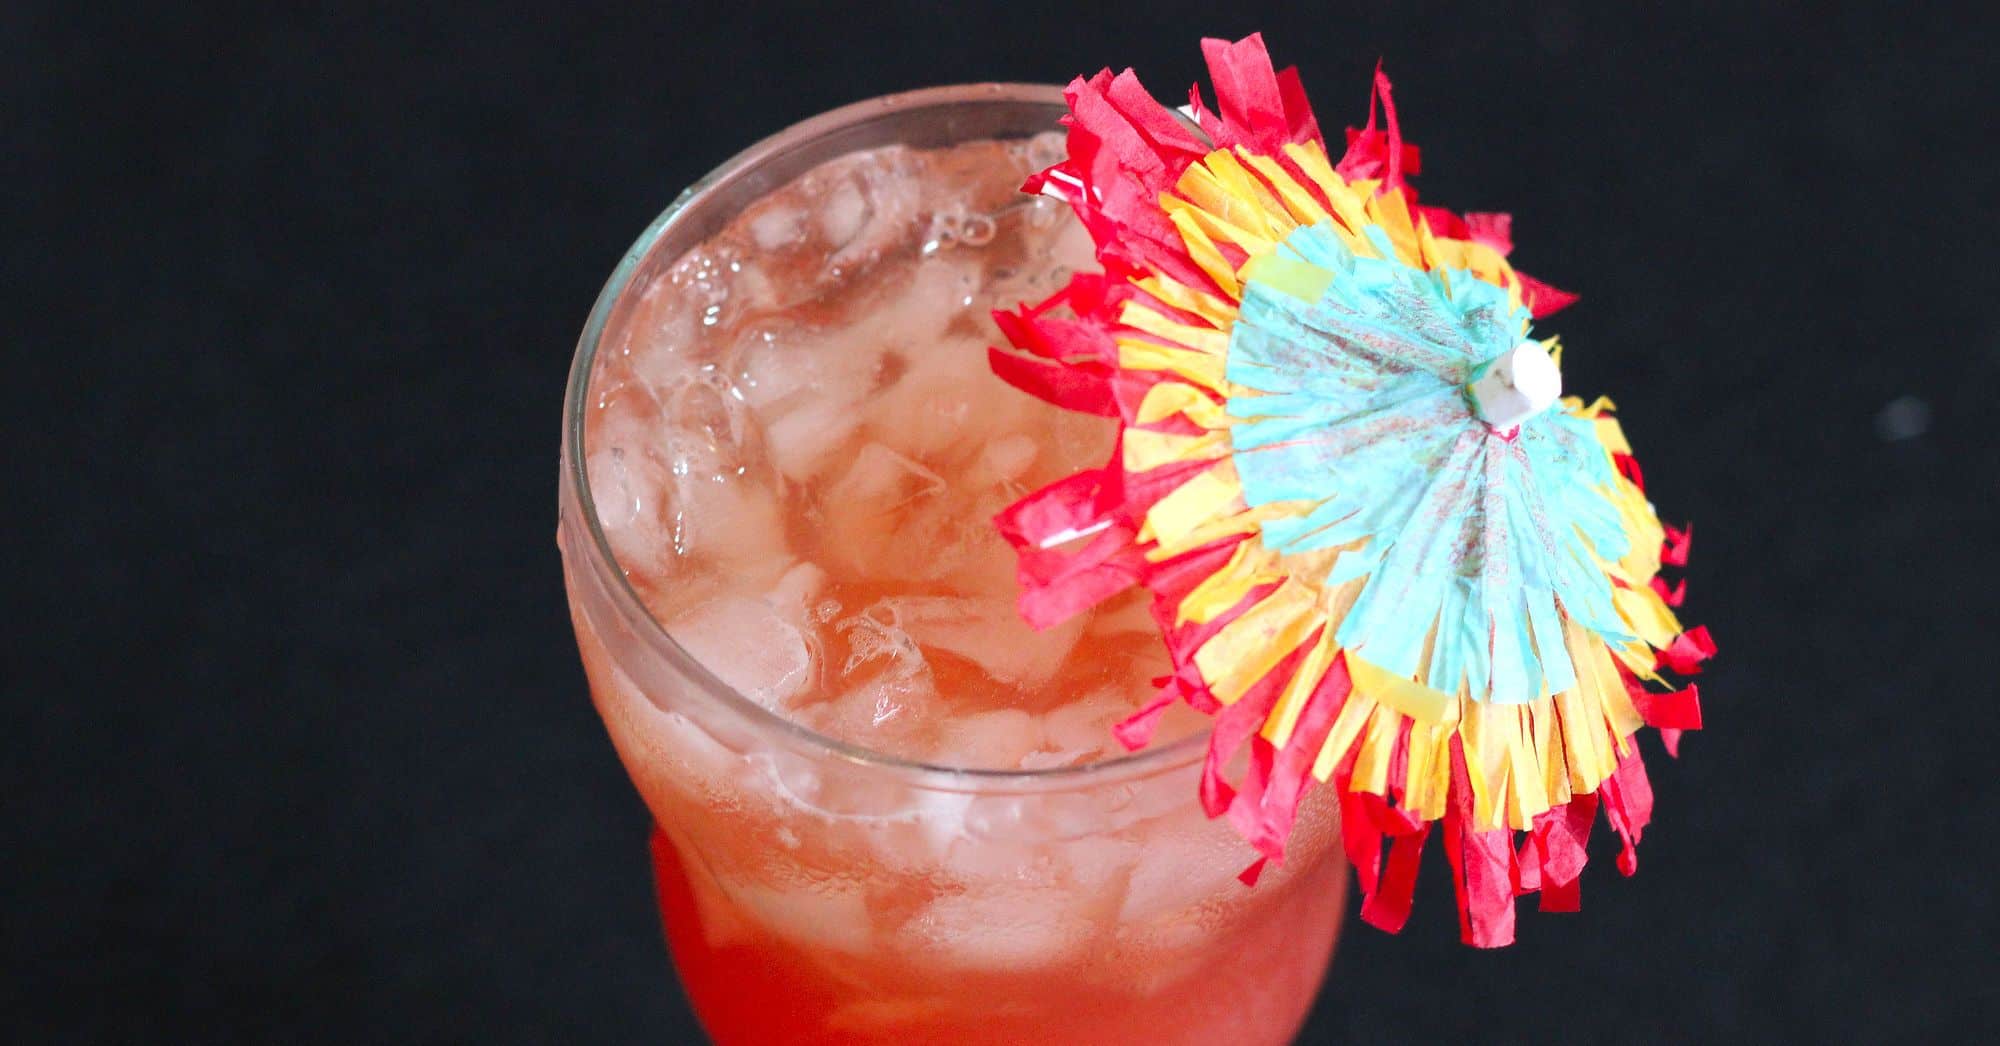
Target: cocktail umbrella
column 1383, row 552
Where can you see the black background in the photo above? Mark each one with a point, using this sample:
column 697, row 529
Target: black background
column 296, row 744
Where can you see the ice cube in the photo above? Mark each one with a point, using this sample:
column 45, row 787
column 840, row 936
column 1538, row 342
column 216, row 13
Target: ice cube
column 1185, row 862
column 948, row 404
column 667, row 753
column 938, row 293
column 899, row 827
column 729, row 520
column 983, row 861
column 803, row 442
column 779, row 365
column 1080, row 731
column 688, row 758
column 797, row 591
column 875, row 511
column 1002, row 928
column 704, row 273
column 937, row 826
column 776, row 224
column 820, row 912
column 977, row 561
column 632, row 483
column 843, row 211
column 896, row 713
column 877, row 644
column 748, row 645
column 990, row 633
column 656, row 339
column 711, row 424
column 873, row 211
column 1099, row 860
column 994, row 740
column 805, row 386
column 629, row 488
column 663, row 369
column 722, row 922
column 1007, row 457
column 927, row 418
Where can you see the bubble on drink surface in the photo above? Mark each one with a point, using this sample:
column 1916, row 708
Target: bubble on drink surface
column 941, row 235
column 976, row 230
column 749, row 645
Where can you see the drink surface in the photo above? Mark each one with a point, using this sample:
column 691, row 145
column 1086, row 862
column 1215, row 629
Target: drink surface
column 797, row 449
column 795, row 446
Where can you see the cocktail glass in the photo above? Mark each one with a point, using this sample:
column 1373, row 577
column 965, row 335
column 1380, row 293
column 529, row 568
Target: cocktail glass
column 814, row 891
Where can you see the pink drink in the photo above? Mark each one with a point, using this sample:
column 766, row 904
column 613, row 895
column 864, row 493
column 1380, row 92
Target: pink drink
column 795, row 448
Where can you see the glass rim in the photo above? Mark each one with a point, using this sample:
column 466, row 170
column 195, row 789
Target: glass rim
column 627, row 604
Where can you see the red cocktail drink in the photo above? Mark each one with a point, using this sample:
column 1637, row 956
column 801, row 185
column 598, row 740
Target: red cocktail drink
column 889, row 811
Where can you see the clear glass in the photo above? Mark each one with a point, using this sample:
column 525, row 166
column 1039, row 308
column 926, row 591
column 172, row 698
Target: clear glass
column 816, row 892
